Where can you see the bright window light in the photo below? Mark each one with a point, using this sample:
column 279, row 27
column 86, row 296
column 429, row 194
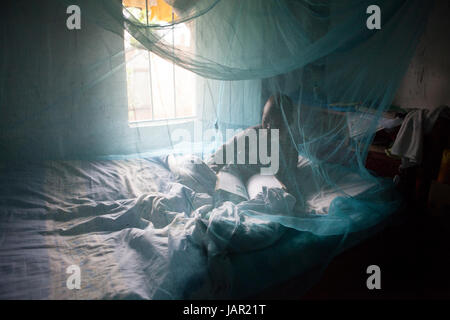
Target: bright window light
column 157, row 88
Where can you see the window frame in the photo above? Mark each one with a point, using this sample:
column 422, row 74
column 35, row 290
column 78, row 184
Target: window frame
column 160, row 121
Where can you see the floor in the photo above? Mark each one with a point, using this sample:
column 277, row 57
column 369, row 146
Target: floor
column 413, row 253
column 414, row 258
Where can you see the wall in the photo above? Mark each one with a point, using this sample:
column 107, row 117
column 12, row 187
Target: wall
column 51, row 105
column 427, row 81
column 63, row 93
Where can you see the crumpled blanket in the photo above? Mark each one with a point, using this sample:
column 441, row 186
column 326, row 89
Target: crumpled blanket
column 136, row 231
column 150, row 229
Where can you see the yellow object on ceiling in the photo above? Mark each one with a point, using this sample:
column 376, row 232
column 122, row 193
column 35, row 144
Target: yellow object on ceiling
column 159, row 10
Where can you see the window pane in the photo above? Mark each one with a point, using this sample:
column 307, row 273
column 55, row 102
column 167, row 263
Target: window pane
column 158, row 89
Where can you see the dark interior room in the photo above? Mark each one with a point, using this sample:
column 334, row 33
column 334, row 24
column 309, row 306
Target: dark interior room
column 245, row 150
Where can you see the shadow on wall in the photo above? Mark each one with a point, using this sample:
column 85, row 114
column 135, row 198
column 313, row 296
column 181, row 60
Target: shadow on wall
column 427, row 81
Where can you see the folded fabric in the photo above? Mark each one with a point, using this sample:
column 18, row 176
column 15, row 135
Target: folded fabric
column 409, row 141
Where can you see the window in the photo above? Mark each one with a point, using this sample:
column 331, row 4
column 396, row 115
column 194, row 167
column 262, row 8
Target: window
column 157, row 88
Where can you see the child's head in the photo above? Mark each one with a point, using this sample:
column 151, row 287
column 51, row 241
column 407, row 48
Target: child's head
column 272, row 117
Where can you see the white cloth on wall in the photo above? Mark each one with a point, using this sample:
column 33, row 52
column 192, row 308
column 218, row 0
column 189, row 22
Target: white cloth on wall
column 409, row 141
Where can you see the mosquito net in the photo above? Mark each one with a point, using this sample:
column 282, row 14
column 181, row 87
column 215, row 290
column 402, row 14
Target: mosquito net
column 158, row 77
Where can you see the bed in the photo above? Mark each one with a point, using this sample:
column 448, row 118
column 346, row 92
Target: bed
column 139, row 229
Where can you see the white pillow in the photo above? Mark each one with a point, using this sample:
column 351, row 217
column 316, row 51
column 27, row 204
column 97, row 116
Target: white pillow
column 192, row 172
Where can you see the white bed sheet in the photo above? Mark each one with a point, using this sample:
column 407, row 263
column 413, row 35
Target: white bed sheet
column 136, row 232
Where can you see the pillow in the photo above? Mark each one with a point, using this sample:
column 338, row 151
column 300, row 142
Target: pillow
column 192, row 172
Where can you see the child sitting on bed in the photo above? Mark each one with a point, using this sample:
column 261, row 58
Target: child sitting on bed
column 272, row 118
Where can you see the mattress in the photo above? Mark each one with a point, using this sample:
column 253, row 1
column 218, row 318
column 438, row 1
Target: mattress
column 136, row 230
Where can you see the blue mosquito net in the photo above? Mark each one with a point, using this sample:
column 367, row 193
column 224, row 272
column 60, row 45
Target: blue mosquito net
column 151, row 78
